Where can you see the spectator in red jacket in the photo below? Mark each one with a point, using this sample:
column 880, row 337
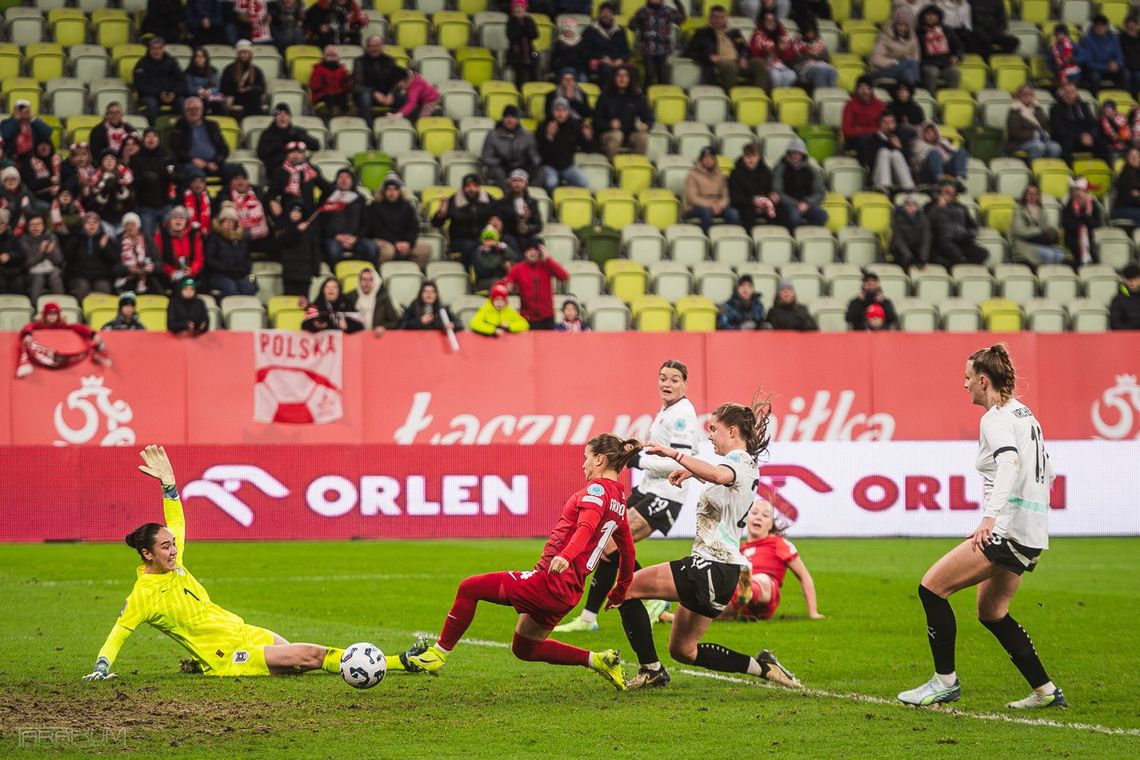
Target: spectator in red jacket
column 531, row 279
column 330, row 84
column 179, row 246
column 861, row 121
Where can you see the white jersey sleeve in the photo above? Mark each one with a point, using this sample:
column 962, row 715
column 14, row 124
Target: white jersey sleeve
column 674, row 426
column 1024, row 517
column 721, row 511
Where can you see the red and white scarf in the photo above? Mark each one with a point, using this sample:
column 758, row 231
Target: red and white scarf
column 258, row 13
column 57, row 215
column 33, row 353
column 339, row 200
column 199, row 207
column 1116, row 130
column 298, row 175
column 1083, row 211
column 132, row 252
column 1063, row 54
column 115, row 136
column 43, row 169
column 251, row 214
column 936, row 42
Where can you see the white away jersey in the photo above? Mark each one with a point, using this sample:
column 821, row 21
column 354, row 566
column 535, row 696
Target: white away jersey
column 721, row 510
column 674, row 426
column 1025, row 515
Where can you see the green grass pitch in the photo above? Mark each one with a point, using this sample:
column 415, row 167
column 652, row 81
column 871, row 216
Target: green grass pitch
column 60, row 601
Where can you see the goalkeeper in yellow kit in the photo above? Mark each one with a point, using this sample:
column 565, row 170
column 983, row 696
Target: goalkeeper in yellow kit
column 172, row 600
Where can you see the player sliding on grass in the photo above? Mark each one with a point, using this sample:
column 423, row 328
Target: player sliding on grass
column 543, row 596
column 655, row 503
column 771, row 556
column 1017, row 475
column 705, row 581
column 172, row 600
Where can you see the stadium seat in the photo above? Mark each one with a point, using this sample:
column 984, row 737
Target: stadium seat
column 1058, row 282
column 774, row 245
column 894, row 281
column 607, row 314
column 1099, row 282
column 751, row 105
column 973, row 282
column 1001, row 315
column 634, row 172
column 66, row 96
column 350, row 134
column 652, row 314
column 437, row 134
column 687, row 243
column 476, row 65
column 597, row 168
column 418, row 169
column 450, row 279
column 643, row 243
column 916, row 315
column 25, row 26
column 830, row 314
column 617, row 208
column 671, row 280
column 690, row 138
column 672, row 172
column 491, row 30
column 402, row 280
column 586, row 280
column 111, row 26
column 958, row 315
column 1113, row 246
column 793, row 106
column 715, row 280
column 844, row 280
column 932, row 283
column 475, row 130
column 96, row 320
column 1015, row 282
column 816, row 245
column 859, row 246
column 696, row 314
column 626, row 279
column 710, row 105
column 574, row 206
column 730, row 244
column 806, row 279
column 1086, row 315
column 660, row 208
column 1043, row 315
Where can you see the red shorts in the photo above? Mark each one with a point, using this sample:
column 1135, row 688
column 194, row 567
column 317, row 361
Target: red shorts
column 530, row 592
column 759, row 610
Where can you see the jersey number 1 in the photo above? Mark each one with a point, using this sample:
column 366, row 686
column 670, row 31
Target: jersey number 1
column 607, row 531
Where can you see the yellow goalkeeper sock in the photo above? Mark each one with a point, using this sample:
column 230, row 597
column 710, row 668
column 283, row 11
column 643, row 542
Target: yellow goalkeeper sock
column 394, row 662
column 332, row 660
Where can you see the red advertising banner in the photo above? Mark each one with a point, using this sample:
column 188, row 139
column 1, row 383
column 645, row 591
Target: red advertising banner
column 553, row 389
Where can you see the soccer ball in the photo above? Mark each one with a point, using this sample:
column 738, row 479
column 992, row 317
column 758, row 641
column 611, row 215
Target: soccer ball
column 362, row 665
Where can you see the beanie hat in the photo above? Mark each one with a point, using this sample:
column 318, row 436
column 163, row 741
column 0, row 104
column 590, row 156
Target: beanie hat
column 391, row 178
column 785, row 285
column 875, row 311
column 180, row 212
column 131, row 216
column 52, row 307
column 468, row 178
column 227, row 212
column 9, row 171
column 188, row 282
column 282, row 108
column 126, row 297
column 560, row 102
column 489, row 233
column 797, row 145
column 520, row 174
column 499, row 290
column 511, row 110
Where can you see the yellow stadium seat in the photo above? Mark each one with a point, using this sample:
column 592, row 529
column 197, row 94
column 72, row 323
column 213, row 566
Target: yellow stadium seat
column 292, row 52
column 112, row 26
column 350, row 268
column 750, row 104
column 99, row 317
column 545, row 31
column 495, row 102
column 659, row 207
column 1001, row 315
column 634, row 172
column 476, row 65
column 452, row 29
column 409, row 28
column 1097, row 172
column 1010, row 72
column 93, row 301
column 626, row 279
column 838, row 211
column 574, row 206
column 850, row 68
column 153, row 319
column 974, row 73
column 1037, row 11
column 670, row 103
column 280, row 303
column 696, row 314
column 793, row 106
column 534, row 95
column 1055, row 182
column 617, row 208
column 652, row 314
column 860, row 36
column 68, row 29
column 437, row 134
column 289, row 319
column 997, row 210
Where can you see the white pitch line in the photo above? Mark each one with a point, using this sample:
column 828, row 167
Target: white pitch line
column 867, row 698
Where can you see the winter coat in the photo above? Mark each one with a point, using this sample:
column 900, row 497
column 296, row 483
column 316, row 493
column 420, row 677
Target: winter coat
column 198, row 80
column 196, row 10
column 14, row 267
column 857, row 312
column 187, row 314
column 1072, row 220
column 599, row 43
column 344, row 22
column 232, row 78
column 154, row 175
column 1127, row 188
column 803, row 183
column 744, row 184
column 343, row 214
column 164, row 18
column 328, row 81
column 927, row 35
column 512, row 219
column 467, row 219
column 385, row 314
column 1124, row 311
column 656, row 26
column 920, row 149
column 311, row 191
column 521, row 34
column 120, row 323
column 323, row 314
column 989, row 18
column 580, row 107
column 735, row 312
column 1130, row 47
column 1027, row 231
column 705, row 43
column 152, row 78
column 489, row 319
column 890, row 50
column 861, row 118
column 1021, row 130
column 10, row 129
column 299, row 252
column 378, row 74
column 489, row 264
column 227, row 253
column 559, row 153
column 180, row 141
column 1096, row 53
column 100, row 138
column 508, row 150
column 1069, row 121
column 705, row 187
column 416, row 309
column 534, row 284
column 906, row 114
column 182, row 253
column 627, row 108
column 951, row 222
column 35, row 258
column 394, row 222
column 94, row 262
column 793, row 316
column 271, row 144
column 910, row 240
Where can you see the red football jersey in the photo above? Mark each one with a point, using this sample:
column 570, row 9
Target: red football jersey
column 770, row 555
column 606, row 498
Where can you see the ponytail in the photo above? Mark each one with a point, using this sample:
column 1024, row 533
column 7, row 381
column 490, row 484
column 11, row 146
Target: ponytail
column 995, row 363
column 751, row 421
column 143, row 537
column 618, row 453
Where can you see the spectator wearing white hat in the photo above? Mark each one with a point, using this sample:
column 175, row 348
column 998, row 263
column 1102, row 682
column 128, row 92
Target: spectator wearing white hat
column 137, row 269
column 243, row 83
column 519, row 211
column 227, row 256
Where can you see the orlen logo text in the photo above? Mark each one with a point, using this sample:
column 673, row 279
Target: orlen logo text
column 371, row 495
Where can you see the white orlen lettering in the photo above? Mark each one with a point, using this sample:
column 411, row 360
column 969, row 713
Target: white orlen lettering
column 514, row 497
column 317, row 496
column 378, row 494
column 457, row 494
column 416, row 498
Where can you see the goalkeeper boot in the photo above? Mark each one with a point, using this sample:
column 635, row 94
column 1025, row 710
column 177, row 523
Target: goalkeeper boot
column 931, row 692
column 420, row 646
column 647, row 678
column 772, row 670
column 1036, row 699
column 607, row 664
column 655, row 608
column 577, row 625
column 431, row 660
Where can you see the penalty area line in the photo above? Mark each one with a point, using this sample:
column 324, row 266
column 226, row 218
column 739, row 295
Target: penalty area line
column 852, row 697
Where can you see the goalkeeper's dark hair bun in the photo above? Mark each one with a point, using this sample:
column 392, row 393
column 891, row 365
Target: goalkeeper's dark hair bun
column 142, row 537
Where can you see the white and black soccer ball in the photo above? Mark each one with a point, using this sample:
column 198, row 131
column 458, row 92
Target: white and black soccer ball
column 362, row 665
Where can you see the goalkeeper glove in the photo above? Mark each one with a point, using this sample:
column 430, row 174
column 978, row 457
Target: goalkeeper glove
column 102, row 671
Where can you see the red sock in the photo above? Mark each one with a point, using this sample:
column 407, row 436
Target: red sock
column 477, row 588
column 549, row 650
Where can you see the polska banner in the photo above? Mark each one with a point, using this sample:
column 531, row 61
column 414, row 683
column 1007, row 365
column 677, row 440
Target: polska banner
column 298, row 377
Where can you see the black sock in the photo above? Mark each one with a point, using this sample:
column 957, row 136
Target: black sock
column 1020, row 649
column 942, row 628
column 716, row 657
column 639, row 631
column 605, row 574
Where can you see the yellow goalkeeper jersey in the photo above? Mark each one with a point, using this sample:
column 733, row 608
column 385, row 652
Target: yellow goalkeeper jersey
column 179, row 606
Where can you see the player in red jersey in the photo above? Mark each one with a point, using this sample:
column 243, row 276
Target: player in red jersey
column 771, row 556
column 544, row 595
